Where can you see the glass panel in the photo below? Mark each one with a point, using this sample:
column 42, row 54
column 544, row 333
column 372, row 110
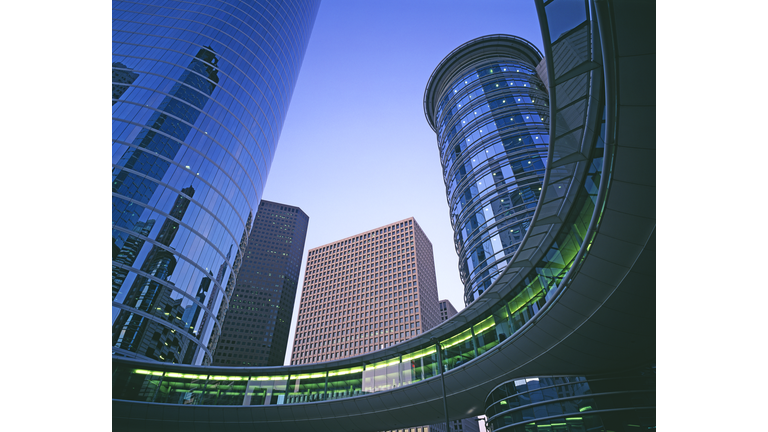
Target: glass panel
column 486, row 335
column 266, row 390
column 178, row 388
column 344, row 383
column 391, row 375
column 407, row 376
column 420, row 365
column 564, row 15
column 309, row 387
column 458, row 349
column 221, row 390
column 369, row 376
column 518, row 305
column 136, row 384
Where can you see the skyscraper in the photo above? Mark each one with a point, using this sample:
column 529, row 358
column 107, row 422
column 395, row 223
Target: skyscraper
column 200, row 92
column 381, row 289
column 366, row 292
column 255, row 331
column 489, row 108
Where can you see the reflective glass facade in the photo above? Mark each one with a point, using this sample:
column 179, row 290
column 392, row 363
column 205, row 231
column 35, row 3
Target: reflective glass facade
column 490, row 112
column 200, row 92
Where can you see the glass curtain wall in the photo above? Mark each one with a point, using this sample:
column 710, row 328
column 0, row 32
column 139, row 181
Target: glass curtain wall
column 200, row 92
column 491, row 119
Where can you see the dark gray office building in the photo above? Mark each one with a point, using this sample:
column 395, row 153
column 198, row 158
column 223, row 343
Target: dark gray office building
column 255, row 330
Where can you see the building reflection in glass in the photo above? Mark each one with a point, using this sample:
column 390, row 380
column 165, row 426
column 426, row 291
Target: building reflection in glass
column 200, row 92
column 136, row 332
column 155, row 146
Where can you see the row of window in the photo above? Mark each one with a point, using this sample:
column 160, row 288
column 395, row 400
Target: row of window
column 360, row 339
column 345, row 246
column 503, row 101
column 317, row 326
column 485, row 70
column 319, row 355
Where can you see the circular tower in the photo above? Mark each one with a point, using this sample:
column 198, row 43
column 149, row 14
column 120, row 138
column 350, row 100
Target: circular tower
column 489, row 109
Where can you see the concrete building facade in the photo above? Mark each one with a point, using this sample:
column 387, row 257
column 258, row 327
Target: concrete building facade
column 366, row 292
column 384, row 280
column 446, row 310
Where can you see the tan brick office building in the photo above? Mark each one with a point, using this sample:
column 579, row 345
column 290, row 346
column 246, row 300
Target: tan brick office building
column 366, row 292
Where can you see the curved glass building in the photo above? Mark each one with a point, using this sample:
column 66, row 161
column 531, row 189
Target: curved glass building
column 490, row 110
column 199, row 95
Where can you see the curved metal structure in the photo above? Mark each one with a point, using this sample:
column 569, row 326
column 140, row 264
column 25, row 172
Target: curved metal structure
column 617, row 401
column 577, row 299
column 490, row 112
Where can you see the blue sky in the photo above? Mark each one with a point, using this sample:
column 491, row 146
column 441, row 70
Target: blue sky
column 356, row 151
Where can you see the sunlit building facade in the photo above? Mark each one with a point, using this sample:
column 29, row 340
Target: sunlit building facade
column 390, row 297
column 489, row 108
column 200, row 93
column 366, row 292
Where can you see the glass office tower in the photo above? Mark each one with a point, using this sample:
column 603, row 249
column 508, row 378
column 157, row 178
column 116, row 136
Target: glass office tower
column 489, row 108
column 200, row 93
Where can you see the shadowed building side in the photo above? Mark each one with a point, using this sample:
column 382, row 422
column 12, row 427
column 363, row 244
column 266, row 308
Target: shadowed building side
column 255, row 331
